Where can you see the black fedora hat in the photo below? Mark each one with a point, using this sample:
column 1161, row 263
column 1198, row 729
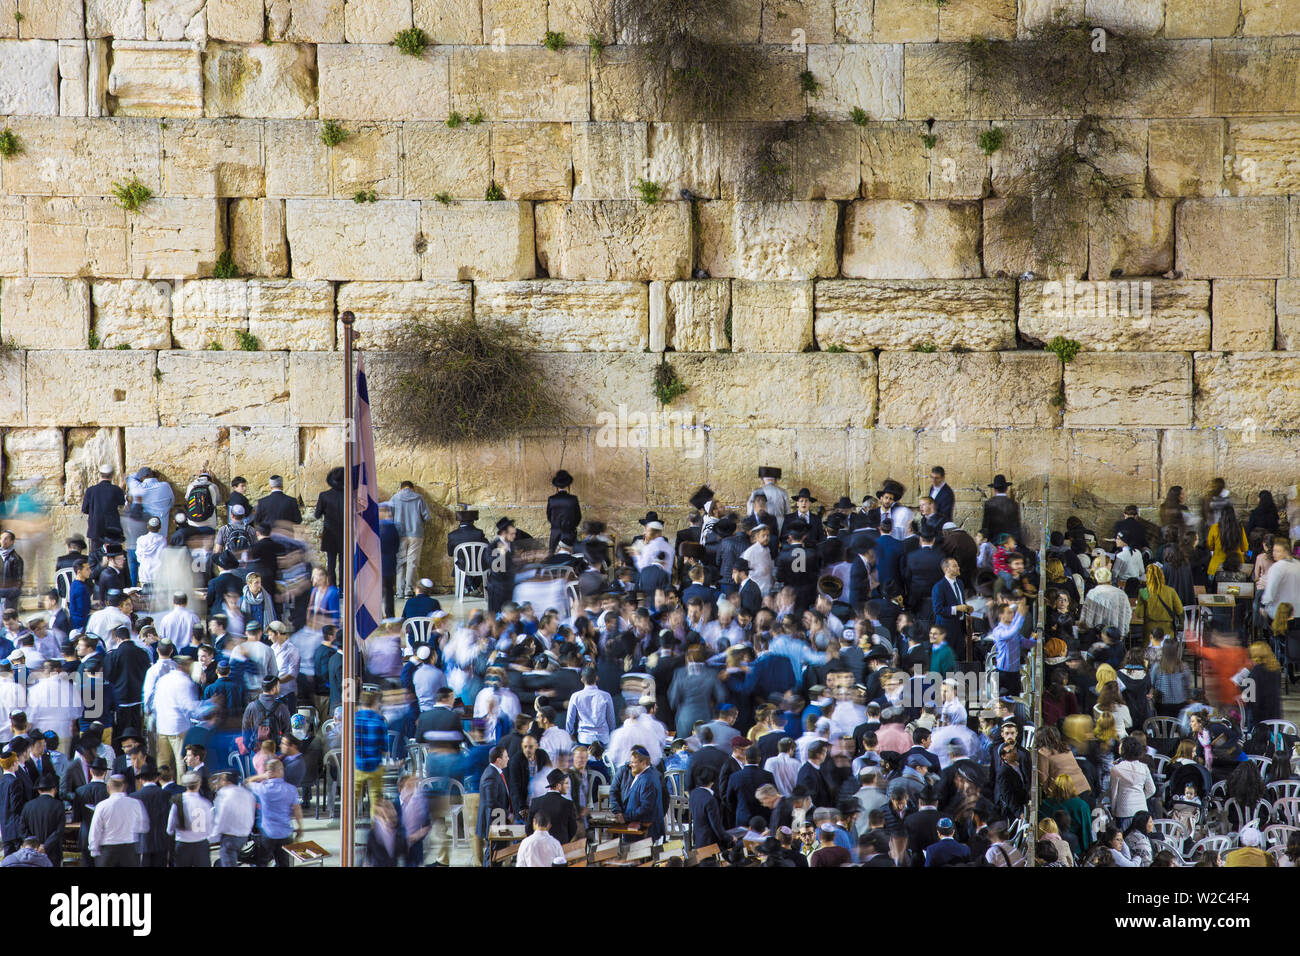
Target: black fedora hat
column 131, row 733
column 467, row 516
column 891, row 487
column 767, row 471
column 999, row 483
column 651, row 517
column 805, row 493
column 562, row 479
column 504, row 522
column 844, row 502
column 702, row 497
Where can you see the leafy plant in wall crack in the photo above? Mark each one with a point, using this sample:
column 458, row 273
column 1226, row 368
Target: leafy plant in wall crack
column 92, row 340
column 225, row 267
column 332, row 133
column 411, row 42
column 9, row 143
column 1063, row 348
column 365, row 196
column 132, row 194
column 809, row 83
column 215, row 346
column 455, row 120
column 649, row 192
column 247, row 341
column 667, row 386
column 991, row 139
column 494, row 192
column 860, row 117
column 554, row 41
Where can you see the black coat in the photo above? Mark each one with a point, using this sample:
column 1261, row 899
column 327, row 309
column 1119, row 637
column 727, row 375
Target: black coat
column 741, row 787
column 958, row 544
column 1001, row 515
column 157, row 806
column 464, row 534
column 711, row 757
column 812, row 778
column 125, row 668
column 944, row 500
column 13, row 797
column 276, row 507
column 102, row 505
column 921, row 573
column 750, row 597
column 43, row 818
column 329, row 506
column 564, row 515
column 561, row 811
column 707, row 827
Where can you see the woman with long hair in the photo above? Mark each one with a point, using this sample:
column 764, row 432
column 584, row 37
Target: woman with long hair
column 1059, row 794
column 1177, row 570
column 1161, row 606
column 1264, row 515
column 1110, row 702
column 1055, row 759
column 1225, row 540
column 1171, row 679
column 1106, row 740
column 1173, row 513
column 1247, row 797
column 1266, row 674
column 1137, row 837
column 1131, row 785
column 1049, row 832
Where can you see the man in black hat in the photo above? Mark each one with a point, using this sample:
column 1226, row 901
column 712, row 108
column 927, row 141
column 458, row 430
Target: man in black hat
column 803, row 502
column 84, row 799
column 1001, row 512
column 941, row 494
column 124, row 669
column 749, row 596
column 778, row 502
column 797, row 565
column 564, row 515
column 501, row 566
column 557, row 805
column 465, row 532
column 43, row 818
column 76, row 550
column 102, row 505
column 114, row 576
column 889, row 505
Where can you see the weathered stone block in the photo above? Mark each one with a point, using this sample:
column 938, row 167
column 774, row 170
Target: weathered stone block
column 13, row 237
column 1133, row 17
column 450, row 21
column 958, row 168
column 1201, row 18
column 771, row 316
column 696, row 316
column 34, row 461
column 13, row 390
column 260, row 451
column 1244, row 314
column 1129, row 389
column 684, row 156
column 439, row 160
column 415, row 87
column 179, row 453
column 121, row 19
column 276, row 81
column 756, row 162
column 29, row 77
column 50, row 19
column 994, row 384
column 868, row 76
column 173, row 238
column 74, row 78
column 297, row 162
column 570, row 316
column 826, row 161
column 1261, row 157
column 76, row 237
column 176, row 20
column 1112, row 466
column 1288, row 314
column 894, row 161
column 615, row 239
column 298, row 316
column 346, row 240
column 1255, row 75
column 315, row 395
column 1244, row 390
column 514, row 22
column 932, row 89
column 520, row 83
column 893, row 239
column 899, row 21
column 82, row 157
column 369, row 159
column 257, row 240
column 305, row 21
column 757, row 240
column 133, row 312
column 209, row 311
column 236, row 20
column 532, row 160
column 113, row 388
column 223, row 388
column 1137, row 238
column 994, row 19
column 213, row 158
column 1014, row 246
column 609, row 159
column 1185, row 157
column 1118, row 316
column 861, row 316
column 383, row 310
column 477, row 240
column 1231, row 238
column 853, row 20
column 45, row 313
column 375, row 21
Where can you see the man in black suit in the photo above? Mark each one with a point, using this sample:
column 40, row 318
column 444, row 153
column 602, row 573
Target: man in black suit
column 102, row 505
column 732, row 543
column 1001, row 513
column 1131, row 528
column 124, row 669
column 943, row 497
column 77, row 774
column 922, row 826
column 440, row 718
column 810, row 775
column 783, row 810
column 706, row 816
column 861, row 569
column 43, row 818
column 922, row 571
column 156, row 842
column 798, row 565
column 743, row 784
column 734, row 763
column 875, row 849
column 749, row 596
column 495, row 808
column 465, row 532
column 563, row 513
column 558, row 807
column 83, row 805
column 277, row 506
column 709, row 756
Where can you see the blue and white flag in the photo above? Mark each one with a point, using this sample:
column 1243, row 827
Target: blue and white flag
column 367, row 572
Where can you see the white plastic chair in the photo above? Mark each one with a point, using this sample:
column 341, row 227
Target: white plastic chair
column 1170, row 831
column 417, row 630
column 1283, row 788
column 1288, row 808
column 1027, row 736
column 1278, row 835
column 1162, row 728
column 1218, row 844
column 473, row 556
column 1274, row 726
column 63, row 581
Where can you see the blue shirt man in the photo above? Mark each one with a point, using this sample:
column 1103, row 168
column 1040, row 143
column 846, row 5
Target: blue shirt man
column 277, row 799
column 591, row 712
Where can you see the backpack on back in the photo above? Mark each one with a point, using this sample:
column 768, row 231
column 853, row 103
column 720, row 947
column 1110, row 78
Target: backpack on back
column 238, row 539
column 268, row 724
column 198, row 504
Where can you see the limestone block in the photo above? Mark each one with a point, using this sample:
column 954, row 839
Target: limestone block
column 893, row 239
column 1110, row 468
column 1245, row 389
column 520, row 83
column 477, row 240
column 284, row 314
column 375, row 21
column 257, row 240
column 958, row 167
column 757, row 240
column 85, row 450
column 1288, row 314
column 685, row 156
column 297, row 162
column 869, row 76
column 13, row 237
column 305, row 21
column 133, row 312
column 237, row 20
column 993, row 383
column 994, row 19
column 853, row 20
column 857, row 315
column 13, row 391
column 449, row 21
column 224, row 388
column 777, row 390
column 1244, row 314
column 1129, row 389
column 113, row 388
column 155, row 79
column 45, row 313
column 932, row 89
column 260, row 451
column 615, row 239
column 513, row 22
column 771, row 316
column 316, row 388
column 213, row 158
column 346, row 240
column 1255, row 75
column 121, row 19
column 1012, row 246
column 757, row 161
column 320, row 449
column 1230, row 238
column 34, row 461
column 179, row 453
column 1293, row 230
column 697, row 315
column 74, row 77
column 383, row 310
column 51, row 20
column 610, row 158
column 208, row 311
column 82, row 157
column 787, row 22
column 173, row 238
column 900, row 21
column 532, row 160
column 276, row 81
column 826, row 161
column 1185, row 157
column 1131, row 17
column 369, row 159
column 894, row 161
column 1201, row 18
column 29, row 77
column 1261, row 157
column 415, row 87
column 174, row 20
column 1254, row 460
column 1122, row 315
column 561, row 316
column 76, row 237
column 439, row 160
column 1137, row 238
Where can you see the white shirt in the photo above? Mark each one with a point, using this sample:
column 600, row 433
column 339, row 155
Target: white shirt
column 175, row 702
column 428, row 680
column 286, row 662
column 177, row 626
column 658, row 551
column 1106, row 605
column 901, row 515
column 785, row 770
column 1282, row 586
column 760, row 566
column 54, row 703
column 539, row 849
column 555, row 741
column 102, row 622
column 261, row 655
column 198, row 813
column 12, row 695
column 233, row 813
column 118, row 820
column 1128, row 564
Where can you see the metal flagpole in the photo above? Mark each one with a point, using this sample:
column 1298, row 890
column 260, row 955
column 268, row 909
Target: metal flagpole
column 347, row 766
column 1036, row 672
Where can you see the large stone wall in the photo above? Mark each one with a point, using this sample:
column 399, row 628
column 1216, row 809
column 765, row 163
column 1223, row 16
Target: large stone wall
column 865, row 321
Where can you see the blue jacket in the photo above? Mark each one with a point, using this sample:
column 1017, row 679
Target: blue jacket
column 388, row 539
column 706, row 820
column 889, row 559
column 645, row 802
column 942, row 599
column 946, row 852
column 78, row 604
